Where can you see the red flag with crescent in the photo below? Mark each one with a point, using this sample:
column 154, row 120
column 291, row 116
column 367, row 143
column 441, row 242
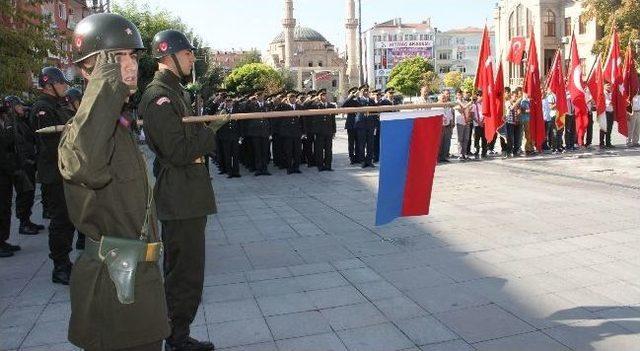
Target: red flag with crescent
column 576, row 89
column 516, row 50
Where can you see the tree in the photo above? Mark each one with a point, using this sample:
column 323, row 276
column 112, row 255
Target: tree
column 432, row 81
column 254, row 76
column 25, row 44
column 150, row 22
column 453, row 79
column 468, row 85
column 626, row 14
column 248, row 57
column 408, row 76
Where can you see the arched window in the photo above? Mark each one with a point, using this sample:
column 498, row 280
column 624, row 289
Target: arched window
column 519, row 22
column 549, row 24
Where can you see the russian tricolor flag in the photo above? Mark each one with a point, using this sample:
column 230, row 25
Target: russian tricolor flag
column 409, row 143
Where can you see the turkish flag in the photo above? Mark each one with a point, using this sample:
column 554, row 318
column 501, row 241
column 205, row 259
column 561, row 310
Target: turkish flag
column 495, row 122
column 596, row 88
column 613, row 75
column 556, row 85
column 484, row 74
column 532, row 88
column 576, row 89
column 516, row 50
column 630, row 75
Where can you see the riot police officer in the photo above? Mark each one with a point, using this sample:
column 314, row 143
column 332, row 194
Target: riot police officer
column 48, row 111
column 183, row 192
column 7, row 168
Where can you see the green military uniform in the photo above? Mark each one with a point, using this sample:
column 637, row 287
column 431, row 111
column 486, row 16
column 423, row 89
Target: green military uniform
column 106, row 188
column 183, row 192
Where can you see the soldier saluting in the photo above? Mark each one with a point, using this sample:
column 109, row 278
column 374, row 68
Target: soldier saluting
column 183, row 192
column 117, row 297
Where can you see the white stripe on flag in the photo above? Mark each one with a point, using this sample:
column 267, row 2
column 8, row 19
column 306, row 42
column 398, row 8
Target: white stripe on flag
column 390, row 116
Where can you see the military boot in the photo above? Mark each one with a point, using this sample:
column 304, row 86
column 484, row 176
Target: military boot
column 61, row 274
column 189, row 344
column 28, row 228
column 37, row 226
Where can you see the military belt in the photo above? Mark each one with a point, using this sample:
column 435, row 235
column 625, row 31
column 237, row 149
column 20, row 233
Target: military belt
column 149, row 252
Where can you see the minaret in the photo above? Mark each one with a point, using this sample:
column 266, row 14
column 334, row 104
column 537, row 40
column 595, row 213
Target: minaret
column 353, row 72
column 289, row 25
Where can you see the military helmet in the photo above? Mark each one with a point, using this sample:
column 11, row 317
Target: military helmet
column 51, row 75
column 104, row 31
column 11, row 100
column 168, row 42
column 73, row 94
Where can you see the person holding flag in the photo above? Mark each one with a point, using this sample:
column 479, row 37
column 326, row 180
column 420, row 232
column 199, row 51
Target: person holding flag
column 631, row 86
column 634, row 121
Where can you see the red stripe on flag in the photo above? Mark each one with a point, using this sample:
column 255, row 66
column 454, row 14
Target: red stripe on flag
column 423, row 155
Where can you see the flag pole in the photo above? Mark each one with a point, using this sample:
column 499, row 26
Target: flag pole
column 593, row 67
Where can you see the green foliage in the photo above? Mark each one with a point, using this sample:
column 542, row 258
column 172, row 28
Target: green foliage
column 453, row 79
column 468, row 85
column 211, row 81
column 24, row 48
column 254, row 76
column 626, row 14
column 432, row 81
column 149, row 22
column 248, row 57
column 409, row 75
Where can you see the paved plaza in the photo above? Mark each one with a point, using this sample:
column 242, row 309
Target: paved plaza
column 528, row 254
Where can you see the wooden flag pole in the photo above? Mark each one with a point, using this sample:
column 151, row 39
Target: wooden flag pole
column 285, row 114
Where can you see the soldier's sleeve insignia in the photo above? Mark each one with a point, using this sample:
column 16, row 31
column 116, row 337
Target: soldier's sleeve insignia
column 163, row 100
column 42, row 113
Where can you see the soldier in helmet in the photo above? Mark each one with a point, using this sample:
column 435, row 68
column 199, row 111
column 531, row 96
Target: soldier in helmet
column 48, row 110
column 25, row 175
column 183, row 191
column 117, row 296
column 7, row 168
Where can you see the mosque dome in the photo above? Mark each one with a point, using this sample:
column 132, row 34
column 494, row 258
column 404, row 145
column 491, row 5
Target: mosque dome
column 301, row 34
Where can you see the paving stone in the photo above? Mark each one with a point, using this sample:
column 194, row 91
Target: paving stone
column 321, row 342
column 56, row 312
column 446, row 298
column 353, row 316
column 455, row 345
column 238, row 333
column 413, row 278
column 382, row 337
column 227, row 292
column 335, row 297
column 232, row 311
column 44, row 333
column 535, row 341
column 348, row 264
column 425, row 330
column 20, row 316
column 361, row 275
column 399, row 308
column 595, row 336
column 267, row 274
column 275, row 287
column 378, row 290
column 482, row 323
column 265, row 346
column 298, row 324
column 12, row 337
column 283, row 304
column 321, row 281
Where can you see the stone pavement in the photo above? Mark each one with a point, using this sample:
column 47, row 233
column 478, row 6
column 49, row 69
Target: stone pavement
column 536, row 254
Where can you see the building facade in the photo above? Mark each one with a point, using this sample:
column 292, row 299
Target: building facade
column 386, row 44
column 553, row 22
column 228, row 60
column 458, row 50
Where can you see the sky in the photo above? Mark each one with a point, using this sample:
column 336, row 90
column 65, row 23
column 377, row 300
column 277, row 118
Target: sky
column 246, row 24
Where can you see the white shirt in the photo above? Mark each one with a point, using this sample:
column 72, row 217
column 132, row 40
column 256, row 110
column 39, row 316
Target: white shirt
column 608, row 102
column 478, row 118
column 635, row 103
column 448, row 116
column 459, row 116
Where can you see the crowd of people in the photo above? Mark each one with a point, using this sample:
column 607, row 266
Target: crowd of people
column 291, row 141
column 514, row 132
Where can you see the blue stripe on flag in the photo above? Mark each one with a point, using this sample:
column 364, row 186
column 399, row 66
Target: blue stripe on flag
column 395, row 138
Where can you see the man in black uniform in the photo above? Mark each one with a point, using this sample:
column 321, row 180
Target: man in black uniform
column 7, row 169
column 49, row 111
column 257, row 133
column 291, row 132
column 25, row 176
column 365, row 124
column 324, row 129
column 276, row 139
column 73, row 97
column 183, row 191
column 229, row 135
column 350, row 124
column 307, row 102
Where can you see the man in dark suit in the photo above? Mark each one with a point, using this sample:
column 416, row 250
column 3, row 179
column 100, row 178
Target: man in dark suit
column 365, row 125
column 257, row 133
column 350, row 124
column 324, row 129
column 291, row 132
